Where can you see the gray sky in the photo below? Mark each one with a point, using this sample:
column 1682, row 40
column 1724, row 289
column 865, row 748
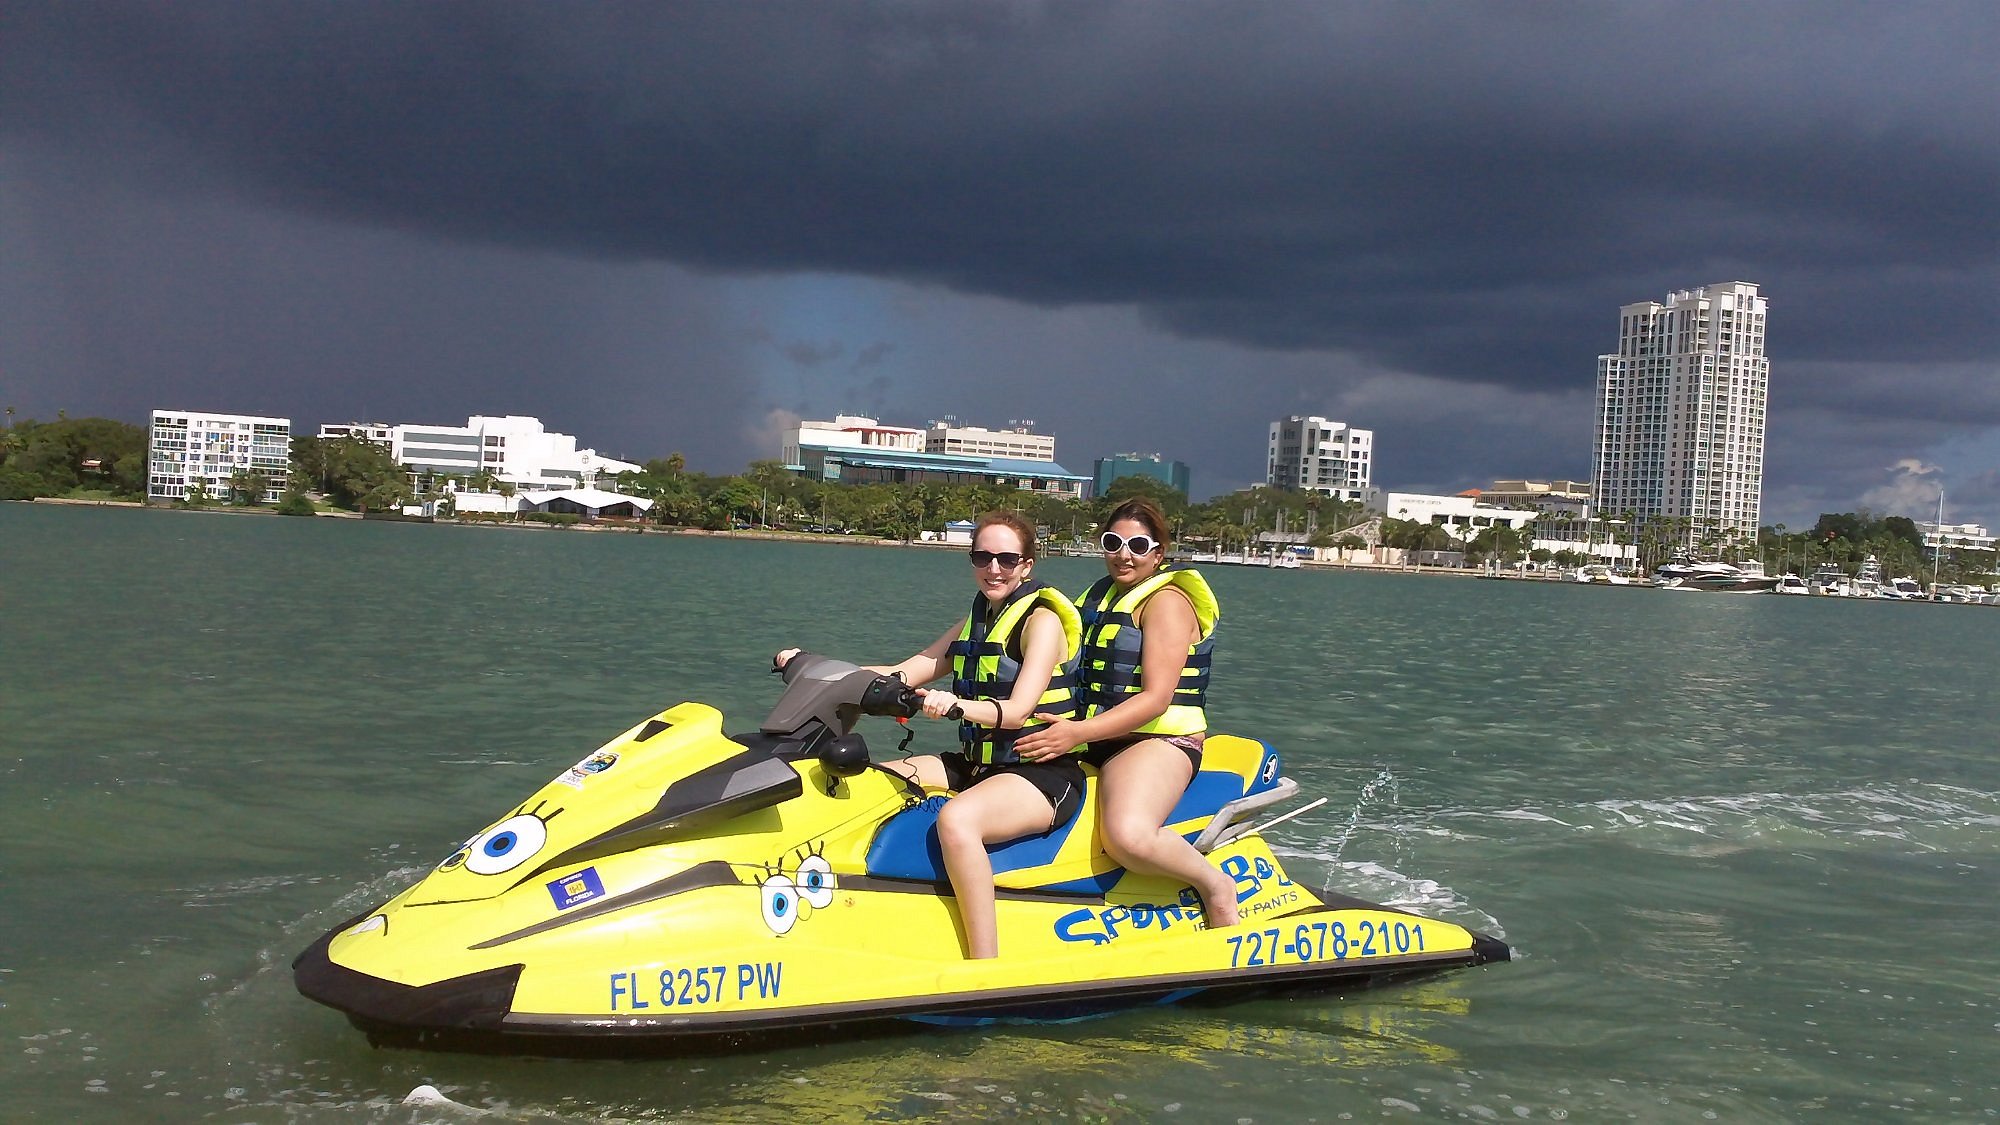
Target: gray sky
column 1145, row 226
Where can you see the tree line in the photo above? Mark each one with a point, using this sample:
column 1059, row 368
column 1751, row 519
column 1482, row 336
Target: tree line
column 107, row 459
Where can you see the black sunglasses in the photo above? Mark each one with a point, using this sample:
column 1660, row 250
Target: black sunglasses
column 1112, row 542
column 1008, row 560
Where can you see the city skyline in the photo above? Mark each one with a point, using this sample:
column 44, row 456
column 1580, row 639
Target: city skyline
column 681, row 227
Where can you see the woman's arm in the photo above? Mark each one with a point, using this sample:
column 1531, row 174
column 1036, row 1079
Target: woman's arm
column 1041, row 651
column 1169, row 626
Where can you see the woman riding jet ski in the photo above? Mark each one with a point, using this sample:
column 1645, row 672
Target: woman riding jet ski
column 679, row 884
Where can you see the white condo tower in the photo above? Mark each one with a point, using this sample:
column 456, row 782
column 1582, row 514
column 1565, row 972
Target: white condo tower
column 1680, row 412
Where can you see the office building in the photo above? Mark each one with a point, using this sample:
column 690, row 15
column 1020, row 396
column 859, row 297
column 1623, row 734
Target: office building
column 856, row 450
column 1173, row 474
column 1017, row 443
column 514, row 448
column 1315, row 455
column 187, row 448
column 846, row 432
column 1680, row 412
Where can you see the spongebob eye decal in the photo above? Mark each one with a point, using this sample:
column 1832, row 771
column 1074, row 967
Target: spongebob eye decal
column 815, row 881
column 784, row 900
column 780, row 904
column 508, row 844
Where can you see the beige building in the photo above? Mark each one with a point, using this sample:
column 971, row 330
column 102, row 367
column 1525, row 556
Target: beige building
column 1019, row 443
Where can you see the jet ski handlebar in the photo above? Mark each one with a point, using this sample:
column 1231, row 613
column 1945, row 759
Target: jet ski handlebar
column 836, row 694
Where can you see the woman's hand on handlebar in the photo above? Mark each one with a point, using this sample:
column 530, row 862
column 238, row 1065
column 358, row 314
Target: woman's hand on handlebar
column 938, row 704
column 1049, row 742
column 783, row 658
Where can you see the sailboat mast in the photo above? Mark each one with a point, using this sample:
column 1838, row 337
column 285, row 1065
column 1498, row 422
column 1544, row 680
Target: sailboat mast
column 1937, row 555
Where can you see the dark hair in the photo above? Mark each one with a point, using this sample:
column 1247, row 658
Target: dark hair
column 1145, row 511
column 1015, row 520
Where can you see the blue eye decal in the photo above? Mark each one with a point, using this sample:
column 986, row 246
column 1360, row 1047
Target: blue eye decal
column 815, row 881
column 780, row 904
column 508, row 844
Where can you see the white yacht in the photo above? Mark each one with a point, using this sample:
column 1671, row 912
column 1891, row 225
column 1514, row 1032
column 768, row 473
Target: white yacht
column 1868, row 583
column 1596, row 574
column 1829, row 579
column 1905, row 588
column 1719, row 577
column 1791, row 584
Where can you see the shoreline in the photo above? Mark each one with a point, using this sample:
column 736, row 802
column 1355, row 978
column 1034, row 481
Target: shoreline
column 756, row 534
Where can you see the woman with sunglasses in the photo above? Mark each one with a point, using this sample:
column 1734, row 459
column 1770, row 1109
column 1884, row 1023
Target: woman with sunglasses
column 1010, row 664
column 1142, row 680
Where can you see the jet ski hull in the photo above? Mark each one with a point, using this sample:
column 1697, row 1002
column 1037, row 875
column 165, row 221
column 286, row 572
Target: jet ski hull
column 684, row 891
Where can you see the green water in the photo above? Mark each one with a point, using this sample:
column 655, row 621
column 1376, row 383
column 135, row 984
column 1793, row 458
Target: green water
column 1747, row 849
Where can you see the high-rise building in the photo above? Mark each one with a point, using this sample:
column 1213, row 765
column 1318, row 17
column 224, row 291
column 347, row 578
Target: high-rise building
column 1680, row 412
column 188, row 448
column 1173, row 474
column 1315, row 455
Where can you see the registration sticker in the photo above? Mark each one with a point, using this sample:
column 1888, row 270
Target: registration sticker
column 577, row 889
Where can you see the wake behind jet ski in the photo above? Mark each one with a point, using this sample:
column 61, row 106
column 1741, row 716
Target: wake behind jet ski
column 679, row 886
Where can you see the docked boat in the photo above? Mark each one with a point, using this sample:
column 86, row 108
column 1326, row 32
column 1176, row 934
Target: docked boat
column 1720, row 577
column 1903, row 589
column 1791, row 584
column 1597, row 574
column 680, row 888
column 1277, row 560
column 1868, row 582
column 1829, row 580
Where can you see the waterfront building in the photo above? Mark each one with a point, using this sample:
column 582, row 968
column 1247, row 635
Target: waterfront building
column 857, row 450
column 588, row 502
column 1464, row 515
column 1018, row 442
column 513, row 448
column 1564, row 517
column 846, row 432
column 1955, row 536
column 1174, row 474
column 1314, row 455
column 1680, row 412
column 187, row 447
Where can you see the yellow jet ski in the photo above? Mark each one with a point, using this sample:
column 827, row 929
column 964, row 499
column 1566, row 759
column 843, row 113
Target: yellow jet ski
column 681, row 887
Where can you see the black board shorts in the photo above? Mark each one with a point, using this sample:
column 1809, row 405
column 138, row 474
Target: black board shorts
column 1060, row 782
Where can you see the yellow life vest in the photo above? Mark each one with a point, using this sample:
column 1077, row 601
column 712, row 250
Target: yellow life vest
column 983, row 668
column 1108, row 669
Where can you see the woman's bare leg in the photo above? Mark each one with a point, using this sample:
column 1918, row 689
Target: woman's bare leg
column 1138, row 789
column 997, row 808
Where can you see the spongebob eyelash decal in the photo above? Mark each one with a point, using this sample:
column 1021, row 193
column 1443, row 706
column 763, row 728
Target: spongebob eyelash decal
column 784, row 899
column 506, row 845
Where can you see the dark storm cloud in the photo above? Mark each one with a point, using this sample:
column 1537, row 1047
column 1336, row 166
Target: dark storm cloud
column 1464, row 191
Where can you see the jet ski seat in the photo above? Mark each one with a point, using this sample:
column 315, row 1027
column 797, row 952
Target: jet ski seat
column 906, row 846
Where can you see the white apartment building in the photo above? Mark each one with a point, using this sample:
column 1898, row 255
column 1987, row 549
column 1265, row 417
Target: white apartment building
column 1315, row 455
column 1680, row 411
column 1018, row 443
column 848, row 432
column 514, row 448
column 186, row 447
column 1955, row 536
